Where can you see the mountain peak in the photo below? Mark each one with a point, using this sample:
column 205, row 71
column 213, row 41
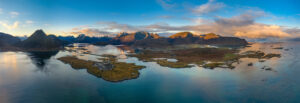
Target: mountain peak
column 182, row 35
column 39, row 33
column 81, row 35
column 40, row 40
column 131, row 37
column 209, row 36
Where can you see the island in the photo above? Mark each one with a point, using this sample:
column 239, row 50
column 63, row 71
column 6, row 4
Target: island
column 109, row 69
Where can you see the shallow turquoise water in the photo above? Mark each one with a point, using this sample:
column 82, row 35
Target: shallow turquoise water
column 41, row 78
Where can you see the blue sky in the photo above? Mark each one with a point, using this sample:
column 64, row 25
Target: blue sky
column 279, row 18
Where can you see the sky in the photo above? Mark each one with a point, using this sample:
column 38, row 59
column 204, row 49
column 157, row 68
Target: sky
column 241, row 18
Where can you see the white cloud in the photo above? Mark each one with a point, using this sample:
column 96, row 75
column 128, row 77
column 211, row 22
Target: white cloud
column 242, row 25
column 200, row 20
column 89, row 32
column 12, row 26
column 240, row 28
column 208, row 7
column 114, row 26
column 167, row 4
column 29, row 22
column 1, row 11
column 14, row 14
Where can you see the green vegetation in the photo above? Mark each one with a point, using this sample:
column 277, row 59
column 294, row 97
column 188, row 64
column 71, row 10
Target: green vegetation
column 205, row 57
column 166, row 63
column 231, row 56
column 212, row 65
column 253, row 54
column 119, row 71
column 259, row 55
column 188, row 56
column 268, row 56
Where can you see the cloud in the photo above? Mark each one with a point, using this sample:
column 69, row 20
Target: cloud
column 165, row 17
column 261, row 31
column 241, row 28
column 254, row 30
column 167, row 4
column 29, row 22
column 241, row 20
column 89, row 32
column 242, row 25
column 14, row 14
column 7, row 26
column 1, row 11
column 114, row 26
column 210, row 6
column 117, row 27
column 293, row 31
column 200, row 20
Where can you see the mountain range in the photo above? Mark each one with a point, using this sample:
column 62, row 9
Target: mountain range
column 131, row 37
column 145, row 39
column 39, row 40
column 82, row 38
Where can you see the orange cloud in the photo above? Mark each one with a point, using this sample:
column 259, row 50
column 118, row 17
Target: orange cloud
column 261, row 31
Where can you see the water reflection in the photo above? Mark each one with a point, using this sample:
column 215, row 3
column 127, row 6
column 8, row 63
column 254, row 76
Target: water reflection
column 40, row 59
column 20, row 84
column 9, row 59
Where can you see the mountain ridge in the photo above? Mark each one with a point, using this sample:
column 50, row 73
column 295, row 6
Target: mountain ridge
column 39, row 40
column 8, row 40
column 131, row 37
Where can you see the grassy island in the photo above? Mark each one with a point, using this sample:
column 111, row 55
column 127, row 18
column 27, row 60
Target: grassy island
column 203, row 57
column 110, row 69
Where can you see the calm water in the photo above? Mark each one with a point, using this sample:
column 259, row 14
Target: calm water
column 41, row 78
